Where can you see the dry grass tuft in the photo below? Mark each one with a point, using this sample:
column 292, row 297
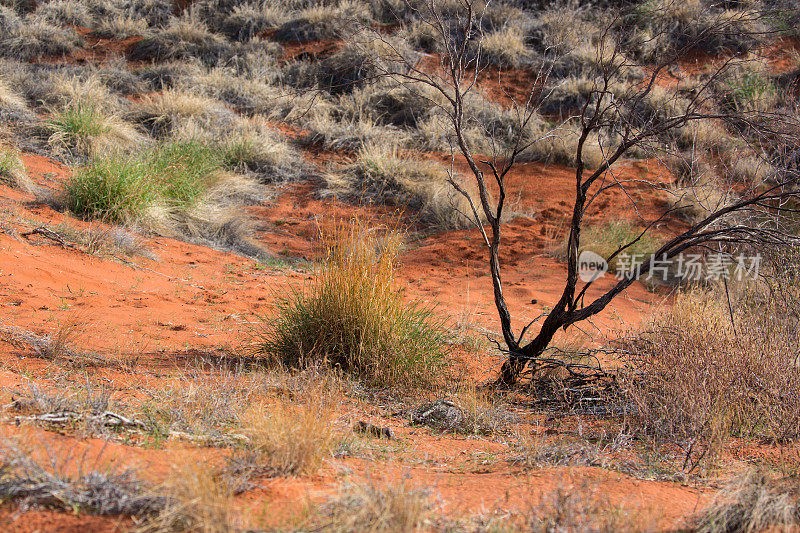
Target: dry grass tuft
column 292, row 438
column 353, row 316
column 753, row 501
column 385, row 507
column 200, row 500
column 583, row 509
column 184, row 38
column 35, row 38
column 90, row 130
column 505, row 48
column 605, row 238
column 380, row 174
column 12, row 171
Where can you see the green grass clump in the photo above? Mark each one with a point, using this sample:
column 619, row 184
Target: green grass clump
column 76, row 124
column 122, row 187
column 353, row 317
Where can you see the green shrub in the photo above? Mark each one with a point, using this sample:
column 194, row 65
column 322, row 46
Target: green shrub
column 121, row 187
column 353, row 316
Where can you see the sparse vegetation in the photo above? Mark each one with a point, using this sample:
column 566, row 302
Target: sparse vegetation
column 235, row 124
column 752, row 501
column 291, row 438
column 30, row 484
column 377, row 506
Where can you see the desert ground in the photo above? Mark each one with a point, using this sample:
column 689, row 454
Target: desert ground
column 245, row 276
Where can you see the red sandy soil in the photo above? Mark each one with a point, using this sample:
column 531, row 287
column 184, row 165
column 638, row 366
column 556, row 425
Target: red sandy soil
column 192, row 300
column 97, row 49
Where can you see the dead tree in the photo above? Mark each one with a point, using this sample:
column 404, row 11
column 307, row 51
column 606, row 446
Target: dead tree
column 750, row 218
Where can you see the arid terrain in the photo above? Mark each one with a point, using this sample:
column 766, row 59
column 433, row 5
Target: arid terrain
column 195, row 196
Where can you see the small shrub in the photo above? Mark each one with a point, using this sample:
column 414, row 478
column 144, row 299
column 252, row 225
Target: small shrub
column 121, row 27
column 185, row 38
column 483, row 415
column 697, row 375
column 560, row 145
column 249, row 19
column 245, row 94
column 36, row 38
column 166, row 113
column 352, row 316
column 72, row 487
column 362, row 59
column 12, row 171
column 61, row 12
column 694, row 203
column 668, row 26
column 88, row 129
column 582, row 509
column 315, row 24
column 260, row 150
column 199, row 499
column 505, row 48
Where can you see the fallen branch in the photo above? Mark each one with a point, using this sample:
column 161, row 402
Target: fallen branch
column 48, row 234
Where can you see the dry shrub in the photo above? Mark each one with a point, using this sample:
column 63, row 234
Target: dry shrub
column 292, row 438
column 199, row 500
column 380, row 174
column 377, row 507
column 560, row 145
column 353, row 316
column 120, row 27
column 184, row 38
column 318, row 22
column 35, row 38
column 570, row 508
column 69, row 483
column 752, row 501
column 695, row 202
column 665, row 26
column 245, row 94
column 168, row 112
column 696, row 379
column 536, row 452
column 482, row 414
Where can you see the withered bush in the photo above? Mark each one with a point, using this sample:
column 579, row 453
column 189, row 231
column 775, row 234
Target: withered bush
column 701, row 372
